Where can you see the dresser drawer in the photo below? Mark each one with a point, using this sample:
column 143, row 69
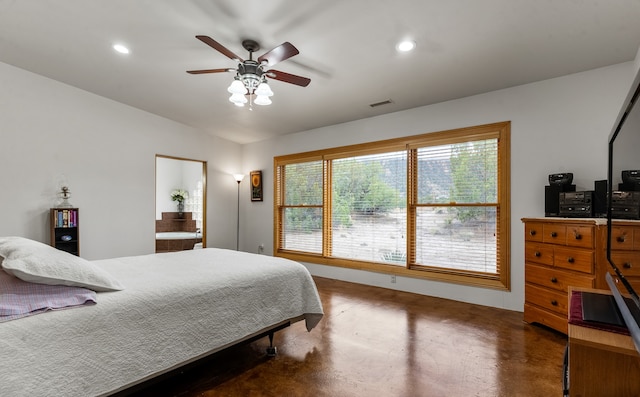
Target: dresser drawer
column 538, row 253
column 556, row 279
column 635, row 283
column 622, row 237
column 627, row 261
column 580, row 236
column 554, row 233
column 534, row 314
column 533, row 231
column 555, row 301
column 574, row 259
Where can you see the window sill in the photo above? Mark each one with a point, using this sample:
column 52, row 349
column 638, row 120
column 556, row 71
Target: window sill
column 422, row 272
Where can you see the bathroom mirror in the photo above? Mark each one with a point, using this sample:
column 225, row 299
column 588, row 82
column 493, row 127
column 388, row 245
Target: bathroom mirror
column 181, row 197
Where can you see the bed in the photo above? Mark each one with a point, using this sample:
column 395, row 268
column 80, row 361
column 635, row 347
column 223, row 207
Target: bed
column 175, row 308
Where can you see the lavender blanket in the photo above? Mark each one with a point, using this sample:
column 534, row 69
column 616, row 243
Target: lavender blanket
column 20, row 299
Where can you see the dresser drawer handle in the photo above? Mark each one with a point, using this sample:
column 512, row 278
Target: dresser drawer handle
column 537, row 254
column 532, row 232
column 578, row 236
column 554, row 234
column 554, row 302
column 554, row 280
column 627, row 265
column 620, row 239
column 570, row 259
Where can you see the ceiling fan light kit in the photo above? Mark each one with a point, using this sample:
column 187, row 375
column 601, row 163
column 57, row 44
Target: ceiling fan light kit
column 251, row 75
column 250, row 80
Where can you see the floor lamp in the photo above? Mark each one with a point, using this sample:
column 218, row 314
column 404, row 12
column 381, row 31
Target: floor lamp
column 238, row 178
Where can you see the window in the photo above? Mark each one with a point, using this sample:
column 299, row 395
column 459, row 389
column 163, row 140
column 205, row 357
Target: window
column 302, row 207
column 368, row 208
column 434, row 206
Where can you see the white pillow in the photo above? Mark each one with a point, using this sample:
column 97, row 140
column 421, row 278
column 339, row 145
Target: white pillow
column 36, row 262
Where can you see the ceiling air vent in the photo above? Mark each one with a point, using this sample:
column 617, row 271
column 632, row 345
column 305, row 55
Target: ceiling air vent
column 375, row 105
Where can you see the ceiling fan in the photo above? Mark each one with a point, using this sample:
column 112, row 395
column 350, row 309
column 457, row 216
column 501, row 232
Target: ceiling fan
column 251, row 75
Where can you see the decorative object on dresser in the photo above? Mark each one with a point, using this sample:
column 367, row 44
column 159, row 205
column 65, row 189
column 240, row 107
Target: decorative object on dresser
column 64, row 229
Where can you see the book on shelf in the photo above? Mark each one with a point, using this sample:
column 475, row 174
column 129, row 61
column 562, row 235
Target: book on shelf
column 65, row 217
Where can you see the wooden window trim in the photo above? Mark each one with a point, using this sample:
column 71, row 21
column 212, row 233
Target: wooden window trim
column 501, row 131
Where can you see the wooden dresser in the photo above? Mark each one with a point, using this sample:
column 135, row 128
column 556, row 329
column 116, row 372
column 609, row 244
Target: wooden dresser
column 563, row 252
column 558, row 253
column 625, row 251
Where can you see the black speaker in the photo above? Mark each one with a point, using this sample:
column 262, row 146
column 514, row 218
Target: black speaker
column 600, row 199
column 630, row 186
column 552, row 198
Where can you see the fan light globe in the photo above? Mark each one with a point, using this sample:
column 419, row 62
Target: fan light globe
column 262, row 100
column 238, row 99
column 264, row 90
column 237, row 87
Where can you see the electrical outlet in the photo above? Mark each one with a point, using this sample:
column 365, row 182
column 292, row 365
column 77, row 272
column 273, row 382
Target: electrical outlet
column 393, row 279
column 261, row 249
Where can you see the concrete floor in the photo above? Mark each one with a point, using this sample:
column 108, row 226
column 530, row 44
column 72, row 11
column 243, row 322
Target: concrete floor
column 378, row 342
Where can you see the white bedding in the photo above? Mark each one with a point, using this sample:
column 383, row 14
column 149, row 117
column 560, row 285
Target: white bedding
column 175, row 308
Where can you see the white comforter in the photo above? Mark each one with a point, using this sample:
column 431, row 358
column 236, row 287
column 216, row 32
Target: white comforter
column 176, row 307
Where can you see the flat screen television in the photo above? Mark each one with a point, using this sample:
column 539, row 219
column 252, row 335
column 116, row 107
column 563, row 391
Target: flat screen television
column 624, row 154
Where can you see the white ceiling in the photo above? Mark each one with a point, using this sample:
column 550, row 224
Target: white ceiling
column 464, row 47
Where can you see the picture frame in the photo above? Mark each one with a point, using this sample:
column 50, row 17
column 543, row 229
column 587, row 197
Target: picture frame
column 255, row 177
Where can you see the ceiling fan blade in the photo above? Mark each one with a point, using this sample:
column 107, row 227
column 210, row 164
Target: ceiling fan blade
column 203, row 71
column 284, row 51
column 218, row 47
column 288, row 78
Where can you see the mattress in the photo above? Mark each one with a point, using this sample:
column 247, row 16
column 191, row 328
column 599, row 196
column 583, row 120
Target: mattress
column 176, row 307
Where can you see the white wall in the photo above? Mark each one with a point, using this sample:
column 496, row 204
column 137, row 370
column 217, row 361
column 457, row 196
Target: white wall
column 107, row 152
column 558, row 125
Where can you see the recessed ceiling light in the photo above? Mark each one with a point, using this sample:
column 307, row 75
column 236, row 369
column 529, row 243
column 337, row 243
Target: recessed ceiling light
column 406, row 45
column 121, row 49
